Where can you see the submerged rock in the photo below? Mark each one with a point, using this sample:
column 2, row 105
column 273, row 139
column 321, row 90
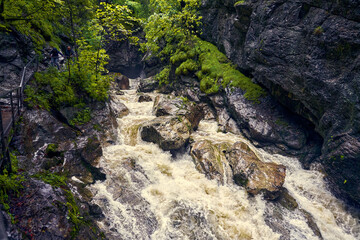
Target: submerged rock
column 144, row 98
column 170, row 133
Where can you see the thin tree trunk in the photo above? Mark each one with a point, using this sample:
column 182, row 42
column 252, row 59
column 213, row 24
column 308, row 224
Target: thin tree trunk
column 98, row 55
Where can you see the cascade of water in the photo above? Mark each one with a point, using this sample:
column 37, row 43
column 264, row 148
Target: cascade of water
column 150, row 195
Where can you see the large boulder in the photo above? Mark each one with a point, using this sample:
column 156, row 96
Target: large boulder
column 122, row 82
column 170, row 133
column 119, row 109
column 255, row 175
column 147, row 85
column 209, row 159
column 237, row 163
column 174, row 106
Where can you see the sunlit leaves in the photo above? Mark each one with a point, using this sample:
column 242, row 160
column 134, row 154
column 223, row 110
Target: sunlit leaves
column 170, row 25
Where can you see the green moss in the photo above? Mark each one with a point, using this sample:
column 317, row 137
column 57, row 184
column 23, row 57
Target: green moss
column 51, row 148
column 98, row 128
column 14, row 163
column 217, row 70
column 179, row 56
column 82, row 117
column 186, row 67
column 319, row 30
column 239, row 3
column 9, row 183
column 73, row 213
column 163, row 76
column 54, row 179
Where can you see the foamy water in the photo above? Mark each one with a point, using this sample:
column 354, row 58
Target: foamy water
column 150, row 195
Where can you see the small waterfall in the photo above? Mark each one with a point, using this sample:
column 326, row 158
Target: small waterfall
column 150, row 195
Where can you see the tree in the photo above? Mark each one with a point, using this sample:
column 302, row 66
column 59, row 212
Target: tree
column 172, row 24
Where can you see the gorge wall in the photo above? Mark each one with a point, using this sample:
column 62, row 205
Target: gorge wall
column 306, row 53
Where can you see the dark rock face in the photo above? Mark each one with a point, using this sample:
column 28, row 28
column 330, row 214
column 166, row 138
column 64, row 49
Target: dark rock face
column 45, row 214
column 46, row 143
column 306, row 53
column 148, row 85
column 15, row 51
column 125, row 58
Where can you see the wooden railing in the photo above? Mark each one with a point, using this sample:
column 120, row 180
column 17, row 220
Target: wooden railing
column 10, row 111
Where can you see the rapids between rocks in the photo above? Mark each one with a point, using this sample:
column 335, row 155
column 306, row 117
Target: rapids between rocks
column 150, row 193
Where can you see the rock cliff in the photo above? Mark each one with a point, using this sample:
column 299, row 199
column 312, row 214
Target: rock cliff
column 306, row 53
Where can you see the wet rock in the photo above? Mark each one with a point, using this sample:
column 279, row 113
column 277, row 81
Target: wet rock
column 125, row 58
column 46, row 142
column 223, row 117
column 266, row 122
column 286, row 200
column 119, row 109
column 170, row 133
column 144, row 98
column 122, row 82
column 96, row 212
column 165, row 106
column 312, row 224
column 226, row 163
column 306, row 54
column 209, row 159
column 147, row 85
column 226, row 123
column 209, row 113
column 256, row 176
column 41, row 211
column 15, row 52
column 92, row 152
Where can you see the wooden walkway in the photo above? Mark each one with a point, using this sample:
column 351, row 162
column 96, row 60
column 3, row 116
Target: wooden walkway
column 12, row 103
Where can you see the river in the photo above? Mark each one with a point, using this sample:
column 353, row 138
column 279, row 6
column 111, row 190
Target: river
column 150, row 194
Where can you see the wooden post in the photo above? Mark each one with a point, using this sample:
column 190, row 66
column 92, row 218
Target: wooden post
column 18, row 100
column 12, row 109
column 2, row 135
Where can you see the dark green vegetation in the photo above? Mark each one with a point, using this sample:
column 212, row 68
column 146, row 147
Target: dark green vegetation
column 87, row 25
column 10, row 184
column 173, row 35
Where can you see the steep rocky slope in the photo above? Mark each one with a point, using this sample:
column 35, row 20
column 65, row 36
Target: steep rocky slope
column 307, row 54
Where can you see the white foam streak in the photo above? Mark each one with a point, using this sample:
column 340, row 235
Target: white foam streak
column 183, row 200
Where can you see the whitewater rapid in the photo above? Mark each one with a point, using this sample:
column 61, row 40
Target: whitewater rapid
column 150, row 194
